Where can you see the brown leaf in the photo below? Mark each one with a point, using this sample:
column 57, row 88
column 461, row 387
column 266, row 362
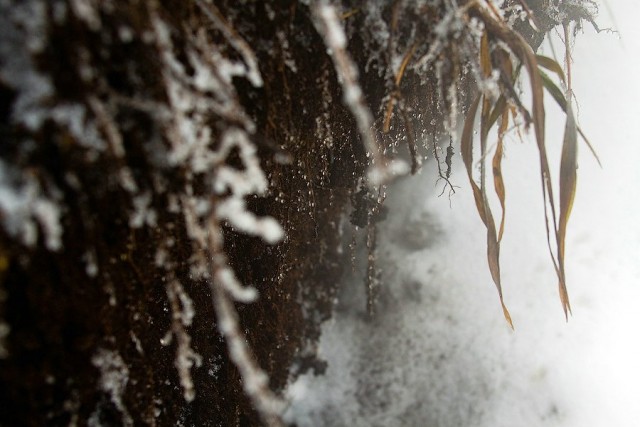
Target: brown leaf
column 507, row 315
column 497, row 111
column 485, row 57
column 480, row 196
column 498, row 181
column 466, row 150
column 551, row 65
column 493, row 242
column 558, row 96
column 568, row 181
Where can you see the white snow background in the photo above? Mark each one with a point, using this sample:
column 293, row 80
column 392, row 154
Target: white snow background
column 439, row 353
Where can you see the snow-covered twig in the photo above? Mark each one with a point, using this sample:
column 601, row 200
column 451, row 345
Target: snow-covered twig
column 204, row 151
column 328, row 25
column 114, row 376
column 182, row 313
column 255, row 380
column 212, row 12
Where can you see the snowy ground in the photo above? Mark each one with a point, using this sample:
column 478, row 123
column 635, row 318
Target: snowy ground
column 439, row 353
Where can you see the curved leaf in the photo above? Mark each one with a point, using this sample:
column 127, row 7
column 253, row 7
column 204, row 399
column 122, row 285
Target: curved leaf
column 568, row 181
column 551, row 65
column 498, row 181
column 557, row 94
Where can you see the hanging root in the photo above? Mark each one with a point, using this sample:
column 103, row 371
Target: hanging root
column 327, row 22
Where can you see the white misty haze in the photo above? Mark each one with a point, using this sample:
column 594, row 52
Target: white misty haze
column 439, row 353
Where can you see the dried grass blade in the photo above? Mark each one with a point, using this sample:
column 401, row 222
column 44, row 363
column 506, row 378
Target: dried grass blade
column 411, row 141
column 497, row 111
column 507, row 315
column 593, row 151
column 498, row 181
column 387, row 115
column 493, row 255
column 553, row 90
column 568, row 182
column 485, row 56
column 479, row 194
column 405, row 61
column 537, row 91
column 396, row 92
column 493, row 242
column 524, row 52
column 557, row 94
column 466, row 149
column 551, row 65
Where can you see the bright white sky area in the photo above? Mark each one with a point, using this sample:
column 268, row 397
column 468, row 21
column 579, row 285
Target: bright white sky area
column 439, row 353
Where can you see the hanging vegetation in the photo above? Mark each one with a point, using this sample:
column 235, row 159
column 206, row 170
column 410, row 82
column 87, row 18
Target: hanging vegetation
column 178, row 180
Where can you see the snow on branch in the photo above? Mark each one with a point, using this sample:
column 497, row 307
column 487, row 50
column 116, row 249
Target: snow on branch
column 114, row 376
column 182, row 313
column 24, row 206
column 212, row 12
column 328, row 25
column 255, row 380
column 196, row 100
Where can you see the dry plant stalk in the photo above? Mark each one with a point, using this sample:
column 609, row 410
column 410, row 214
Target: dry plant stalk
column 556, row 216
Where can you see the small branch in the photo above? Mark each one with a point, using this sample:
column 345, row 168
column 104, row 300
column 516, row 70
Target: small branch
column 255, row 380
column 328, row 24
